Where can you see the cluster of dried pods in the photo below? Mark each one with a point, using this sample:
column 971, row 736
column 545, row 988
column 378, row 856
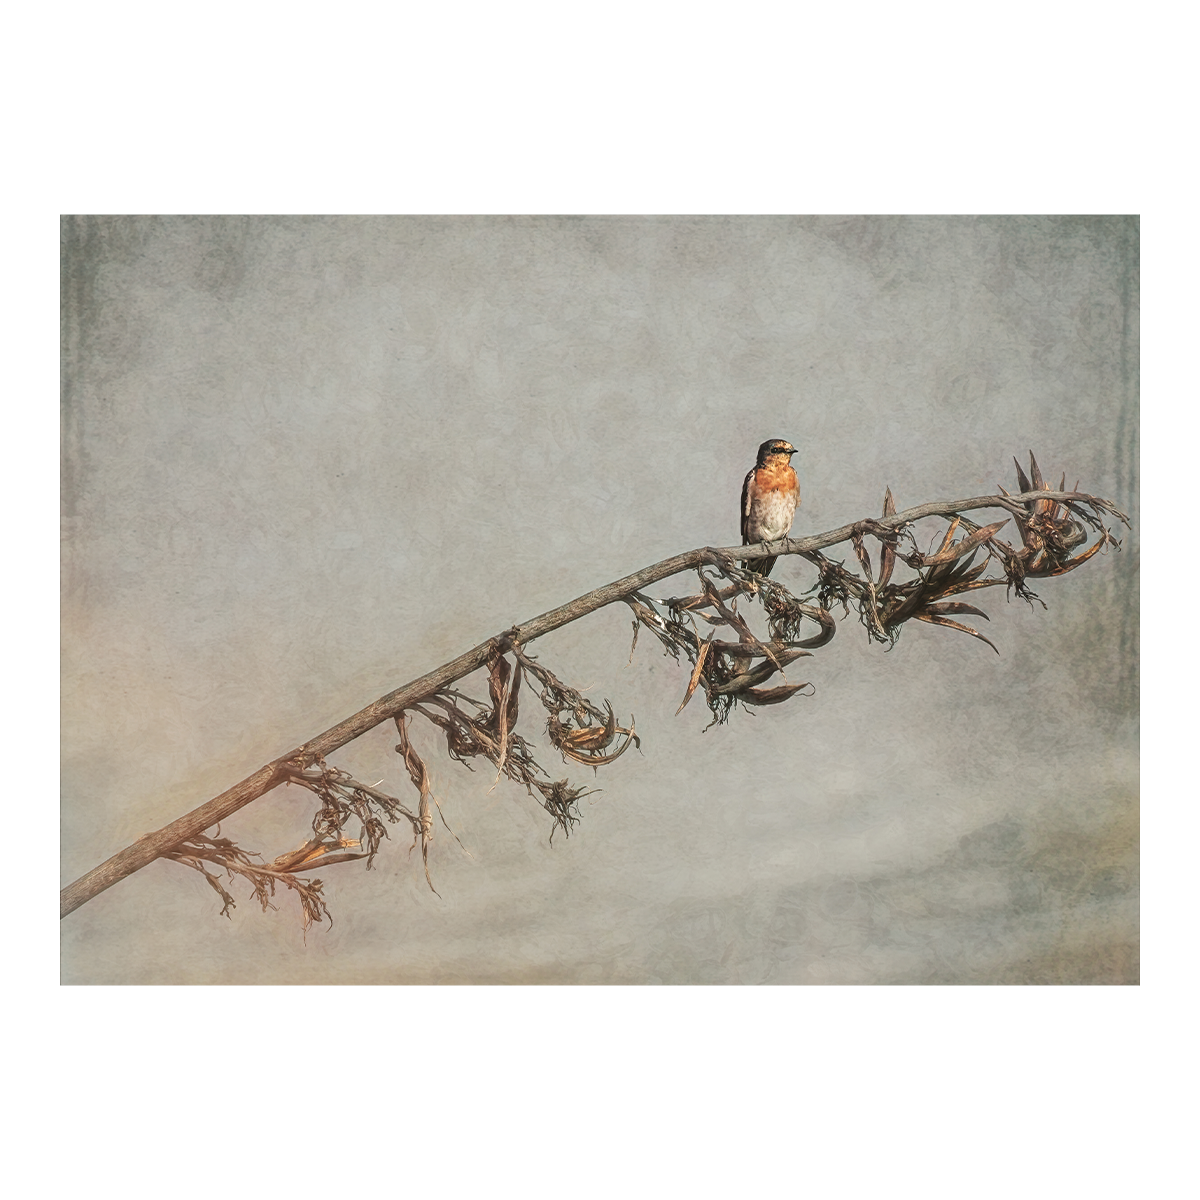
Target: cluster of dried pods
column 731, row 671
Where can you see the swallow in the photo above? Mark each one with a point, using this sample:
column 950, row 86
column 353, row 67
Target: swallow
column 770, row 497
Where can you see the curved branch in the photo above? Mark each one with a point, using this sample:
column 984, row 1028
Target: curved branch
column 154, row 845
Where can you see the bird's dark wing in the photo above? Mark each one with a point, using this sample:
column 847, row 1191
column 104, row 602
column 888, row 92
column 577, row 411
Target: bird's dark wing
column 746, row 506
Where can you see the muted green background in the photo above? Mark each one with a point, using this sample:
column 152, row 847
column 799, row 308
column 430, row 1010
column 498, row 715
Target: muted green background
column 308, row 459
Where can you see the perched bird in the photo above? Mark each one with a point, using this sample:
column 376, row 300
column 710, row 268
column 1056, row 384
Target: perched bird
column 770, row 497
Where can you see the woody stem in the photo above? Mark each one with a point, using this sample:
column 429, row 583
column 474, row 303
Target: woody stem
column 153, row 845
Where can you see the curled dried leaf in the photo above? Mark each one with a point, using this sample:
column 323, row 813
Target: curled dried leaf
column 860, row 552
column 697, row 671
column 419, row 774
column 933, row 619
column 425, row 816
column 948, row 553
column 955, row 606
column 326, row 860
column 776, row 695
column 503, row 717
column 587, row 743
column 887, row 553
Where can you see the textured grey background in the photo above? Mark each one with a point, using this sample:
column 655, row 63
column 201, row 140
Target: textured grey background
column 306, row 460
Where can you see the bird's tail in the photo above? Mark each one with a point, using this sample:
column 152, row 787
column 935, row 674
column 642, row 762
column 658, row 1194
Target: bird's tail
column 760, row 565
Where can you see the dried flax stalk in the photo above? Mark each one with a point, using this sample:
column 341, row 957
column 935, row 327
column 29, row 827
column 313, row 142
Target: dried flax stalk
column 737, row 669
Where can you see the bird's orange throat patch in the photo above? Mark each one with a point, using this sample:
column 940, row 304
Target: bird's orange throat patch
column 776, row 475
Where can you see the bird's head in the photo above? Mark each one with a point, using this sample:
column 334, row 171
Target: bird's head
column 773, row 449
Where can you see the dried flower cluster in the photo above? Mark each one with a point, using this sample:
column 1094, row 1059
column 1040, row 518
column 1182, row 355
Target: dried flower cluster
column 262, row 876
column 575, row 726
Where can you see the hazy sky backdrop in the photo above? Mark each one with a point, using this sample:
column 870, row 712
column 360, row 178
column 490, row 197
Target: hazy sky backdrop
column 309, row 459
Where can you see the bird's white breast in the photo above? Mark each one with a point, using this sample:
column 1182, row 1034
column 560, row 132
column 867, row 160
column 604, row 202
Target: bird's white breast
column 771, row 515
